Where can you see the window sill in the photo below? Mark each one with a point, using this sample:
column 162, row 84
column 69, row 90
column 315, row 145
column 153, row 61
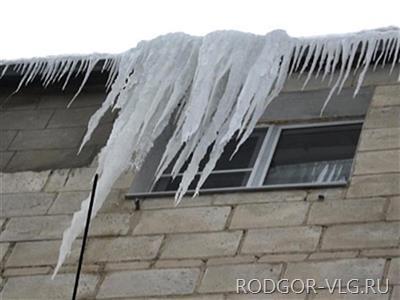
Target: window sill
column 277, row 187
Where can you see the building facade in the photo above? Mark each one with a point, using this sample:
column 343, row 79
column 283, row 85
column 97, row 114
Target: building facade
column 198, row 250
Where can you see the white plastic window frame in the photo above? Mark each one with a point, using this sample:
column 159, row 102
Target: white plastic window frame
column 263, row 162
column 270, row 149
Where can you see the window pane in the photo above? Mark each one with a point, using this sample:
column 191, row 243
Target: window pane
column 244, row 158
column 220, row 180
column 232, row 171
column 314, row 155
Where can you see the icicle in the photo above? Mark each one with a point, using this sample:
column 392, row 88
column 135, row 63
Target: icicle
column 296, row 57
column 70, row 72
column 89, row 68
column 344, row 56
column 28, row 69
column 396, row 54
column 34, row 72
column 361, row 56
column 60, row 67
column 310, row 54
column 324, row 55
column 352, row 54
column 210, row 89
column 65, row 69
column 317, row 55
column 382, row 54
column 389, row 51
column 5, row 68
column 113, row 69
column 367, row 60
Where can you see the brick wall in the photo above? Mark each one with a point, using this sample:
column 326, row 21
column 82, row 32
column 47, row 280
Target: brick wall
column 197, row 251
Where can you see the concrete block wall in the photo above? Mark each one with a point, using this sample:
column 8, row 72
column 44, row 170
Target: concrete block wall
column 38, row 131
column 198, row 250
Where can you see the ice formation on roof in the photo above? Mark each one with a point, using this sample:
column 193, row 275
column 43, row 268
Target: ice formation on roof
column 211, row 88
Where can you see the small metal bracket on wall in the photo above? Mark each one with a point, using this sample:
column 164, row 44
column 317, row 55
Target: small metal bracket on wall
column 137, row 202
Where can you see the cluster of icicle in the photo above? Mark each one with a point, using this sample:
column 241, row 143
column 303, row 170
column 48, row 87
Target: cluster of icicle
column 211, row 88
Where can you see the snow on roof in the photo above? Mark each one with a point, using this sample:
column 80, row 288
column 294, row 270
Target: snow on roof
column 211, row 88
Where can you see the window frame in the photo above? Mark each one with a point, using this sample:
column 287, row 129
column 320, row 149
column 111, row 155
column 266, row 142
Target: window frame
column 299, row 126
column 249, row 170
column 262, row 164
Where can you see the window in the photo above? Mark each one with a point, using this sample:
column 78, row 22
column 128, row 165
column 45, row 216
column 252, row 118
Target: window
column 278, row 156
column 229, row 171
column 313, row 155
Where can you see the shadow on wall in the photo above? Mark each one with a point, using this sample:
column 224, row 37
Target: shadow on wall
column 39, row 132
